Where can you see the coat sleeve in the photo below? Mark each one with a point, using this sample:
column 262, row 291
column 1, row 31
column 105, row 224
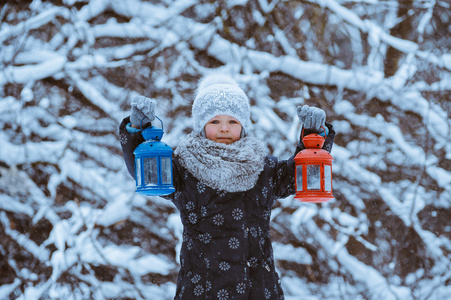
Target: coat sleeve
column 285, row 169
column 129, row 142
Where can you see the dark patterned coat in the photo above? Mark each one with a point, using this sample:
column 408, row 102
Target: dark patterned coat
column 226, row 251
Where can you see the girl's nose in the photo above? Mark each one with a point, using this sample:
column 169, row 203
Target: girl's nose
column 224, row 127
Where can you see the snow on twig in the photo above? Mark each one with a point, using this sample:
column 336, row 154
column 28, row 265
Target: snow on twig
column 30, row 73
column 32, row 23
column 39, row 252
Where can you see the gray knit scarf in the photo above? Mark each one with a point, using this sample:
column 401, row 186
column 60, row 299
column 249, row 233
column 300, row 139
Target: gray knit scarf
column 230, row 168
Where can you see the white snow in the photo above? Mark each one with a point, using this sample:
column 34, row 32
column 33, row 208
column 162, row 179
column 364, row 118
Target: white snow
column 27, row 73
column 69, row 72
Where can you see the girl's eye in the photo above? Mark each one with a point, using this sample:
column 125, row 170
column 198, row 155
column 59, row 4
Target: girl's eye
column 233, row 122
column 214, row 122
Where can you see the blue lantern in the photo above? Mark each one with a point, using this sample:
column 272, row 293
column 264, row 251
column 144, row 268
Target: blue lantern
column 153, row 164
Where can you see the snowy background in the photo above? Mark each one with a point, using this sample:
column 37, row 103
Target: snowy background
column 71, row 226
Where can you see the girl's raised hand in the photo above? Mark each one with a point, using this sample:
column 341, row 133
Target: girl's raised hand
column 142, row 107
column 312, row 118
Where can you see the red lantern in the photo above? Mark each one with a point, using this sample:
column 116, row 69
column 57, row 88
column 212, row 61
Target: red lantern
column 313, row 171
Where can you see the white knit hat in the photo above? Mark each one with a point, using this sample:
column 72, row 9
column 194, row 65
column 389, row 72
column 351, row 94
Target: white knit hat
column 219, row 94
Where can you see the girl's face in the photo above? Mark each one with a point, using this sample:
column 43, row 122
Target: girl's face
column 223, row 129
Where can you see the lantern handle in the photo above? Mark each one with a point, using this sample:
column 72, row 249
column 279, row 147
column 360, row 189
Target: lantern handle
column 324, row 130
column 145, row 117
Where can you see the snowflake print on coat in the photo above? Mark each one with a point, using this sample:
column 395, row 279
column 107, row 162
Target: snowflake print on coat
column 182, row 291
column 245, row 230
column 224, row 266
column 221, row 193
column 271, row 184
column 198, row 290
column 192, row 218
column 123, row 138
column 271, row 163
column 200, row 187
column 234, row 243
column 265, row 192
column 267, row 294
column 189, row 245
column 241, row 288
column 203, row 211
column 254, row 232
column 207, row 285
column 275, row 289
column 261, row 243
column 253, row 262
column 205, row 238
column 237, row 214
column 257, row 201
column 190, row 205
column 223, row 294
column 218, row 220
column 195, row 278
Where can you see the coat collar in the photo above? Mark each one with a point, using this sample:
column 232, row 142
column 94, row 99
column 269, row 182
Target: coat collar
column 231, row 168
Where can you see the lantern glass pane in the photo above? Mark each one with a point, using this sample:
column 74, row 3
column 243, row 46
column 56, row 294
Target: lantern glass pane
column 166, row 170
column 299, row 178
column 150, row 171
column 328, row 178
column 138, row 172
column 313, row 177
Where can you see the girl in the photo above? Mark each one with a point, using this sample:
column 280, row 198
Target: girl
column 225, row 187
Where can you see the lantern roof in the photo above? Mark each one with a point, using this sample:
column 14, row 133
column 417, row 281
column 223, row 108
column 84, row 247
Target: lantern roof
column 153, row 148
column 152, row 133
column 313, row 141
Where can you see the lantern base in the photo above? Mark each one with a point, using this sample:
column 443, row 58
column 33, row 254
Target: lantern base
column 155, row 191
column 314, row 199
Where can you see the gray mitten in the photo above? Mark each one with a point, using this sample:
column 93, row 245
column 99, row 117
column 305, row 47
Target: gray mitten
column 312, row 118
column 142, row 107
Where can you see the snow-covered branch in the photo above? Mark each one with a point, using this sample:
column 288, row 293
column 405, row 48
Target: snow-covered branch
column 70, row 223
